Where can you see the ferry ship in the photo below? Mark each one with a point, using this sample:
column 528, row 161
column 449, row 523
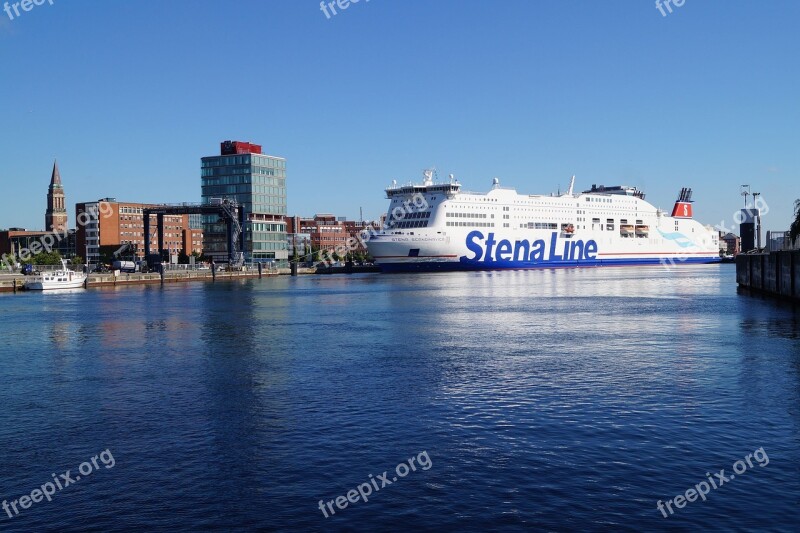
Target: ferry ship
column 436, row 226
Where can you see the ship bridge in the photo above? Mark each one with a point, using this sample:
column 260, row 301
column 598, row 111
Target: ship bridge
column 428, row 186
column 615, row 189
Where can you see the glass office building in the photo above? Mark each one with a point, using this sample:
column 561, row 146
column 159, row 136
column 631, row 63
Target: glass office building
column 257, row 182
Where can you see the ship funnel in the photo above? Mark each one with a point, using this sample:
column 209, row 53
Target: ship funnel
column 683, row 206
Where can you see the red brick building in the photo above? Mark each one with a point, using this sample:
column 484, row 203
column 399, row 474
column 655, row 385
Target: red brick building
column 730, row 243
column 16, row 239
column 326, row 231
column 119, row 223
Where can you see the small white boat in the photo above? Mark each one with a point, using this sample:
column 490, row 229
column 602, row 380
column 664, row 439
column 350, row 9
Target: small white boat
column 58, row 279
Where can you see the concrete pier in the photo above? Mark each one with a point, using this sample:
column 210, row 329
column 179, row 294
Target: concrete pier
column 7, row 281
column 109, row 280
column 775, row 273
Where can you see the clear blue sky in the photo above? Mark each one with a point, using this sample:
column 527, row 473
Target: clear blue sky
column 128, row 95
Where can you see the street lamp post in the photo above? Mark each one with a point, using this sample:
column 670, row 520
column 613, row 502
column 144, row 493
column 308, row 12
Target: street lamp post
column 758, row 218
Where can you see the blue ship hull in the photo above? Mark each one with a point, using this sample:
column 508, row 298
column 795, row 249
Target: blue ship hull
column 466, row 265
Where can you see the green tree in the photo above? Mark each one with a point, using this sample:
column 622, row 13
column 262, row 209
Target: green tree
column 44, row 258
column 794, row 229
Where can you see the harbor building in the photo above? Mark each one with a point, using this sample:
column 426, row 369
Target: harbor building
column 255, row 181
column 13, row 240
column 730, row 243
column 121, row 223
column 326, row 231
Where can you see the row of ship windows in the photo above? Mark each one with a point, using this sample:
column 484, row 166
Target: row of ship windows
column 625, row 232
column 553, row 225
column 539, row 225
column 601, row 200
column 410, row 224
column 466, row 215
column 611, row 221
column 471, row 224
column 479, row 199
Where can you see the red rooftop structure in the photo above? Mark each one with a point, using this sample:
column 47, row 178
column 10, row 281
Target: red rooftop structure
column 239, row 147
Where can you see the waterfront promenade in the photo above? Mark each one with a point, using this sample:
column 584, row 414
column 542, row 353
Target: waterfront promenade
column 7, row 281
column 179, row 276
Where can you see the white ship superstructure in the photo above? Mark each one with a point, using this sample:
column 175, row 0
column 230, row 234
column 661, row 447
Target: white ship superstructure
column 437, row 226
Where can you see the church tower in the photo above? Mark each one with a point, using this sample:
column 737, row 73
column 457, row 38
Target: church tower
column 56, row 216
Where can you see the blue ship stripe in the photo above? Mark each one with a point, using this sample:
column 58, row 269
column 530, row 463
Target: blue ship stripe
column 467, row 265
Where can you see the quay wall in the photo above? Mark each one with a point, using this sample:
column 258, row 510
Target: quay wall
column 775, row 273
column 8, row 281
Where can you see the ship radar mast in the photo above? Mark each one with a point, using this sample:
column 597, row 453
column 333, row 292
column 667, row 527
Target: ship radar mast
column 429, row 174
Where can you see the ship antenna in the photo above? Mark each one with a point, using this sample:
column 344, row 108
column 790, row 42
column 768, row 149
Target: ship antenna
column 429, row 174
column 571, row 185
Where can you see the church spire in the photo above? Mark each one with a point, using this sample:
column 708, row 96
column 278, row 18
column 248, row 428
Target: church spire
column 55, row 178
column 56, row 218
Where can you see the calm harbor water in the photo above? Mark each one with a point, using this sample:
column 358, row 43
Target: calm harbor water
column 552, row 399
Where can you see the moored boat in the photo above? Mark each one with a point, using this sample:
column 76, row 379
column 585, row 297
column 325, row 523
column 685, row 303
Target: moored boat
column 57, row 279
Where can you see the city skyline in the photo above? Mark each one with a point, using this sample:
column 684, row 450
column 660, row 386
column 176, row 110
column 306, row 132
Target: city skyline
column 613, row 93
